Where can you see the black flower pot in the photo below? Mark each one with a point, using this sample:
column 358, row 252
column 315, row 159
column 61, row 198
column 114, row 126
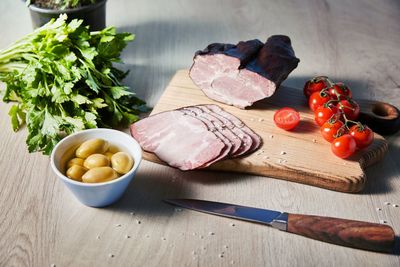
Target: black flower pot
column 93, row 15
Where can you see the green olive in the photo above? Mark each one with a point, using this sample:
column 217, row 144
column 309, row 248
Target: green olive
column 99, row 175
column 113, row 149
column 96, row 160
column 90, row 147
column 75, row 161
column 75, row 172
column 121, row 162
column 108, row 154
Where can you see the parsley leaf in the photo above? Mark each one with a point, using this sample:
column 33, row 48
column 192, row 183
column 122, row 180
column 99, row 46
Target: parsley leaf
column 63, row 80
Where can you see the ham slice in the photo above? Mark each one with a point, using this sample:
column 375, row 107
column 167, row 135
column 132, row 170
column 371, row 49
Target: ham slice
column 228, row 145
column 233, row 121
column 242, row 74
column 246, row 140
column 165, row 133
column 195, row 137
column 218, row 127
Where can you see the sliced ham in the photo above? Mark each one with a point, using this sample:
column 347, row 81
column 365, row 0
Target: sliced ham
column 182, row 141
column 218, row 127
column 231, row 119
column 246, row 140
column 228, row 145
column 195, row 137
column 242, row 74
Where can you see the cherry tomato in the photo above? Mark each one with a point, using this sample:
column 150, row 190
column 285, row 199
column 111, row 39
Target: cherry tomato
column 324, row 113
column 362, row 134
column 340, row 89
column 344, row 146
column 315, row 85
column 286, row 118
column 330, row 128
column 318, row 99
column 350, row 108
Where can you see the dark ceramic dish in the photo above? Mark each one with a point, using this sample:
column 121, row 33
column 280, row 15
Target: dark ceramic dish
column 93, row 15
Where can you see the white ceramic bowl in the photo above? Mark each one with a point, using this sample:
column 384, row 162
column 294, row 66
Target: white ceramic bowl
column 96, row 194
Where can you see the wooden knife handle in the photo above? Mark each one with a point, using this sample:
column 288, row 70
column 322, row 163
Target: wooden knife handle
column 356, row 234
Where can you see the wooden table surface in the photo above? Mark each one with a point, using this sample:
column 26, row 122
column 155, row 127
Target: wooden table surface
column 357, row 42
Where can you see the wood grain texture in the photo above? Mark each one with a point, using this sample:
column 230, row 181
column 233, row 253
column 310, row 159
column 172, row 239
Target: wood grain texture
column 349, row 233
column 290, row 155
column 356, row 42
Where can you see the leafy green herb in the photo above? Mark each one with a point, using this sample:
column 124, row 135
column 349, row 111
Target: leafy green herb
column 62, row 78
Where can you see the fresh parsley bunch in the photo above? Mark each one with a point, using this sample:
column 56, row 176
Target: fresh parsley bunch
column 63, row 80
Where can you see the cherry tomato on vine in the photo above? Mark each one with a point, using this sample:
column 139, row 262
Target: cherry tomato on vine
column 329, row 129
column 350, row 108
column 340, row 89
column 362, row 134
column 286, row 118
column 324, row 113
column 344, row 146
column 315, row 84
column 318, row 99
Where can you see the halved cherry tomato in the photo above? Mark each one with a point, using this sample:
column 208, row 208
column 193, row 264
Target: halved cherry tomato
column 330, row 129
column 350, row 108
column 362, row 134
column 339, row 89
column 324, row 113
column 318, row 99
column 315, row 84
column 286, row 118
column 344, row 146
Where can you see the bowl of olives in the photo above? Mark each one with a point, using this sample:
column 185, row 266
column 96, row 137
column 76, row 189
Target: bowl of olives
column 97, row 165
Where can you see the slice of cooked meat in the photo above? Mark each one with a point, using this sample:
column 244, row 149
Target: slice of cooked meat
column 256, row 139
column 217, row 126
column 246, row 140
column 180, row 140
column 195, row 137
column 242, row 74
column 211, row 127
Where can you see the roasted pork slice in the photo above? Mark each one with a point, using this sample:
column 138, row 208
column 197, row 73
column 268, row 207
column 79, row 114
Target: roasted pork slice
column 180, row 140
column 211, row 127
column 195, row 136
column 245, row 139
column 242, row 74
column 216, row 126
column 233, row 121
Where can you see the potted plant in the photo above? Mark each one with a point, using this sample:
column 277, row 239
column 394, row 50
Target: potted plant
column 93, row 12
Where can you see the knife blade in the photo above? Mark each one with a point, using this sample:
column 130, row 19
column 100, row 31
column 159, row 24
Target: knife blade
column 349, row 233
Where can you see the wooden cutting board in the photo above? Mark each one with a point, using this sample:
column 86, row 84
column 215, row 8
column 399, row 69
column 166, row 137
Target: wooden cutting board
column 301, row 155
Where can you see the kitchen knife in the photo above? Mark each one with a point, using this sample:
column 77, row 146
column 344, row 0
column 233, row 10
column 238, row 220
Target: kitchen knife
column 356, row 234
